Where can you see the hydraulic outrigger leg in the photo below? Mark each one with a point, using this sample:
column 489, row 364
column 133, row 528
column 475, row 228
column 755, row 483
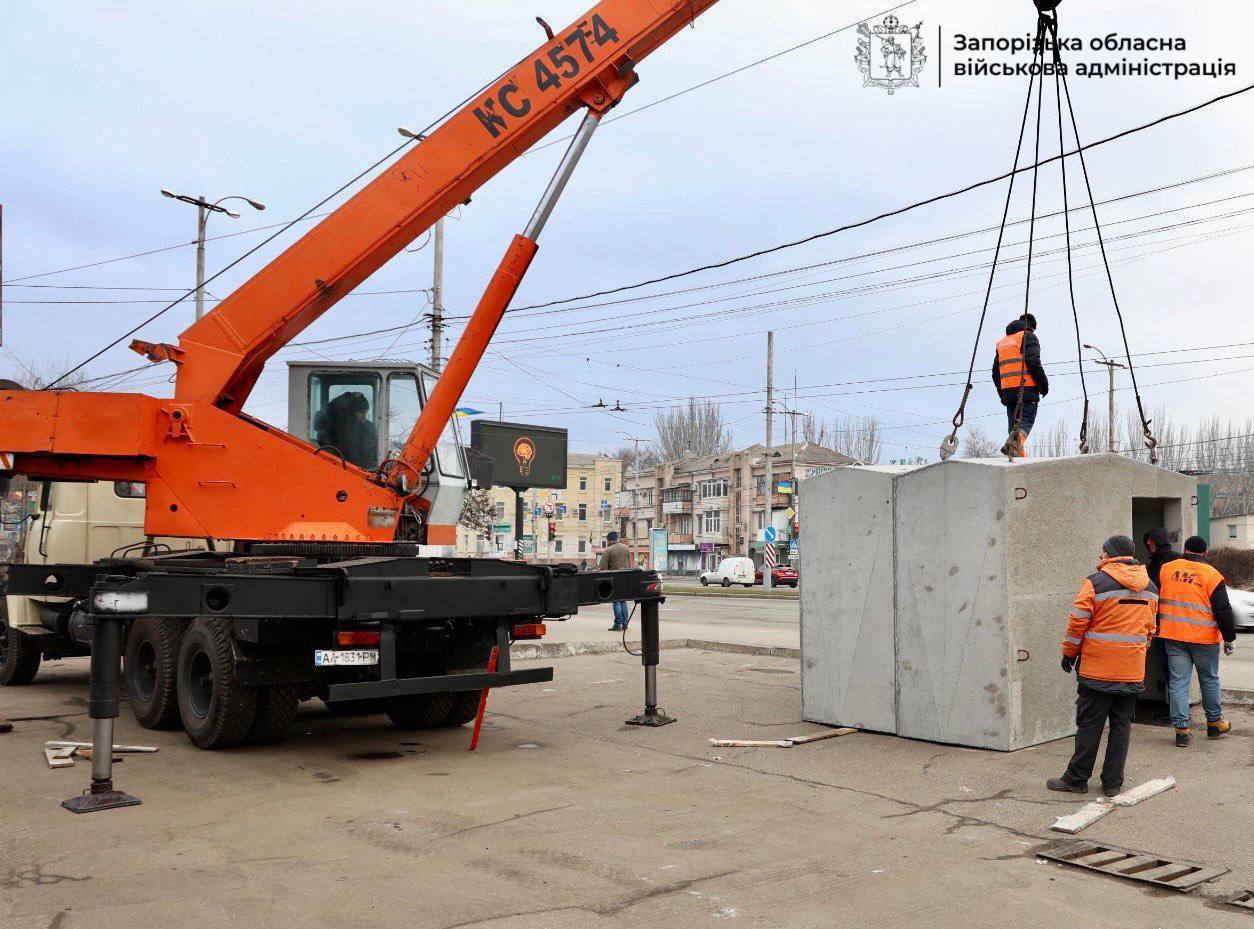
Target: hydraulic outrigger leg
column 650, row 651
column 102, row 707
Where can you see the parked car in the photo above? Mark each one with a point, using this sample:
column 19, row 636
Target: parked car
column 1242, row 608
column 730, row 571
column 781, row 576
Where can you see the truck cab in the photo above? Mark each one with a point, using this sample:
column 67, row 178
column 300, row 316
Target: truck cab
column 364, row 411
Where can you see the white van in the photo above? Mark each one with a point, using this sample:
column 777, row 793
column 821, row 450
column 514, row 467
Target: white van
column 730, row 571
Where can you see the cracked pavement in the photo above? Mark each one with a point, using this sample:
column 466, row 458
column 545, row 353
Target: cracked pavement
column 567, row 819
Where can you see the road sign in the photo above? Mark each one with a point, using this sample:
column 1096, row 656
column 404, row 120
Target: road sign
column 502, row 529
column 792, row 549
column 538, row 511
column 769, row 534
column 770, row 555
column 561, row 509
column 791, row 512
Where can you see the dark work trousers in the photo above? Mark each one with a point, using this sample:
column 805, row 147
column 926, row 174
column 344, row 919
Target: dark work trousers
column 1092, row 712
column 1028, row 420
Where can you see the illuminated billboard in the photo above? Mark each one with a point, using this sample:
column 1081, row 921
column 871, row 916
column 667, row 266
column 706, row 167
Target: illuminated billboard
column 522, row 456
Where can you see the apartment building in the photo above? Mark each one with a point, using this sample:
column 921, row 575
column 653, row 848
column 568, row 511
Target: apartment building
column 711, row 507
column 581, row 512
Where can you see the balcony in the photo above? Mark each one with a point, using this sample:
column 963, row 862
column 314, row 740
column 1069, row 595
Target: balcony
column 719, row 537
column 670, row 507
column 680, row 538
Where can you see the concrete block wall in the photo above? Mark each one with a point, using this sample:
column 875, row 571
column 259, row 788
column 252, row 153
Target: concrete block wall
column 986, row 557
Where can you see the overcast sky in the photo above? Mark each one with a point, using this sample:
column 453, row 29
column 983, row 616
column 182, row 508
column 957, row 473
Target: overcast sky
column 106, row 102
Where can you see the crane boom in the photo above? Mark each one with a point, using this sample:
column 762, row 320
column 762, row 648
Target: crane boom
column 221, row 355
column 212, row 471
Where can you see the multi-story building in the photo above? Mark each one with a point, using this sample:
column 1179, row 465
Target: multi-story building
column 716, row 506
column 581, row 513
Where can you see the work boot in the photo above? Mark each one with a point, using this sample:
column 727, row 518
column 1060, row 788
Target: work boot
column 1217, row 728
column 1111, row 790
column 1062, row 785
column 1182, row 737
column 5, row 726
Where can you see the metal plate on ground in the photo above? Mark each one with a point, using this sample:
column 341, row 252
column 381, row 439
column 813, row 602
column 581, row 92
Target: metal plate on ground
column 1245, row 900
column 1170, row 873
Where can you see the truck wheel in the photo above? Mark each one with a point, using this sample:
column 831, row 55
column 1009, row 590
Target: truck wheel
column 19, row 657
column 420, row 711
column 150, row 669
column 465, row 708
column 217, row 710
column 705, row 582
column 727, row 582
column 276, row 708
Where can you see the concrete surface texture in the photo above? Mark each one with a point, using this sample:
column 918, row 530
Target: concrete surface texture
column 567, row 819
column 987, row 556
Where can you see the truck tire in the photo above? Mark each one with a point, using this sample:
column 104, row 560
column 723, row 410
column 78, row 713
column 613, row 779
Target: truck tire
column 150, row 670
column 19, row 657
column 420, row 711
column 465, row 708
column 277, row 705
column 216, row 709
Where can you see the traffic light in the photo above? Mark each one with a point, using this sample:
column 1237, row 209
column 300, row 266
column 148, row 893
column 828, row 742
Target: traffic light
column 552, row 530
column 796, row 529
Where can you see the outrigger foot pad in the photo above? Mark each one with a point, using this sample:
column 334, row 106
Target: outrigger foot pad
column 652, row 718
column 102, row 796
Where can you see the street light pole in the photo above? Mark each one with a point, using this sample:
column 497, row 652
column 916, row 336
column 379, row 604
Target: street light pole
column 1110, row 394
column 203, row 209
column 635, row 484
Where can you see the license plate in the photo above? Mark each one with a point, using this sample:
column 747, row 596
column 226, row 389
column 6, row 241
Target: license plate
column 328, row 658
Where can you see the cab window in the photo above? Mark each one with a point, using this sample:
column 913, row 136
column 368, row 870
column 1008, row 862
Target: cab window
column 404, row 406
column 343, row 415
column 448, row 451
column 130, row 490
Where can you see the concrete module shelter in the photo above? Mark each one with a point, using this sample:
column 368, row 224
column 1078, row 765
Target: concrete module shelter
column 934, row 598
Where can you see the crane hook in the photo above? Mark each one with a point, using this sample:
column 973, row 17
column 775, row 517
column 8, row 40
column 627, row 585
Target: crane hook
column 548, row 30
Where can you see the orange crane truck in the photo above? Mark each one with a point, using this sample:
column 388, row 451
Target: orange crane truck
column 327, row 557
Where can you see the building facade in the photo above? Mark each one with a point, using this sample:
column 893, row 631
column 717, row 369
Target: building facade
column 581, row 515
column 1236, row 531
column 689, row 514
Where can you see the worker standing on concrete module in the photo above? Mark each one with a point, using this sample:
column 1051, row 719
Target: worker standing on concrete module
column 1194, row 616
column 1108, row 635
column 1018, row 373
column 617, row 557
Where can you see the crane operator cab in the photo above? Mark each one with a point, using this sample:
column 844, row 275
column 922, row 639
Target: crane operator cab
column 364, row 412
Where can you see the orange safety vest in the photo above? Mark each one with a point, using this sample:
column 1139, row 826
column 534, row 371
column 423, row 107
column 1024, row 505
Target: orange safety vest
column 1012, row 368
column 1184, row 613
column 1112, row 622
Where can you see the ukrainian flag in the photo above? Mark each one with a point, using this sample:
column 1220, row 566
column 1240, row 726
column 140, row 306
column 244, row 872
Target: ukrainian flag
column 464, row 411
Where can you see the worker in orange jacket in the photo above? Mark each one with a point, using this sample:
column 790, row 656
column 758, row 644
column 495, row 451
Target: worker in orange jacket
column 1108, row 635
column 1194, row 617
column 1018, row 372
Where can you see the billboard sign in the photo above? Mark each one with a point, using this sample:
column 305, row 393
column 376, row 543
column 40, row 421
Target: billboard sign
column 522, row 456
column 659, row 544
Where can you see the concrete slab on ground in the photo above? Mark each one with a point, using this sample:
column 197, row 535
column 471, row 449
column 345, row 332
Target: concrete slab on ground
column 567, row 819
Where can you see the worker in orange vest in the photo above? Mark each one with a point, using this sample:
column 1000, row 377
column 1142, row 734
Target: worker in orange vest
column 1017, row 370
column 1194, row 617
column 1108, row 634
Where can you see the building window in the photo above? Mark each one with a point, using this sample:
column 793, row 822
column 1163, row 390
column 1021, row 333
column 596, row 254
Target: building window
column 646, row 496
column 712, row 522
column 583, row 483
column 714, row 489
column 500, row 511
column 1232, row 530
column 557, row 546
column 609, row 484
column 759, row 485
column 759, row 519
column 583, row 545
column 583, row 512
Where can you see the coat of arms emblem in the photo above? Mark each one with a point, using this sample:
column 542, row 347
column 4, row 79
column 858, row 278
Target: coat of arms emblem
column 890, row 55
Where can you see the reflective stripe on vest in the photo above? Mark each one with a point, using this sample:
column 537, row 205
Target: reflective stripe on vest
column 1124, row 592
column 1012, row 370
column 1184, row 611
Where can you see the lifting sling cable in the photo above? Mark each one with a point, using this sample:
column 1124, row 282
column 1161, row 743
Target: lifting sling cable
column 950, row 444
column 1151, row 443
column 1066, row 217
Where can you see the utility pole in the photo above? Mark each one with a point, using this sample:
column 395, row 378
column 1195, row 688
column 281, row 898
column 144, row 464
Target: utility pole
column 203, row 209
column 1110, row 366
column 437, row 295
column 770, row 410
column 796, row 484
column 635, row 485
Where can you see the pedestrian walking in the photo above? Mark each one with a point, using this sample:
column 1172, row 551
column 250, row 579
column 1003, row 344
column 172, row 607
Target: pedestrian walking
column 1020, row 380
column 1194, row 620
column 1108, row 634
column 617, row 557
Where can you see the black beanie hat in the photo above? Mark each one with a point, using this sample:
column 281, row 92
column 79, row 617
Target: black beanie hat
column 1195, row 545
column 1119, row 546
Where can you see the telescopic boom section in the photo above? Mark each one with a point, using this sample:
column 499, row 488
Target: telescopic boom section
column 585, row 65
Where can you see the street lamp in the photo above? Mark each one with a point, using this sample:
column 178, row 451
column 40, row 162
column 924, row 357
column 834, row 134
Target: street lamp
column 203, row 209
column 1110, row 394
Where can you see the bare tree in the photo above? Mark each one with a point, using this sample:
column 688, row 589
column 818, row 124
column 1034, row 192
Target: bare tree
column 698, row 428
column 977, row 444
column 815, row 432
column 477, row 511
column 859, row 437
column 627, row 455
column 38, row 373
